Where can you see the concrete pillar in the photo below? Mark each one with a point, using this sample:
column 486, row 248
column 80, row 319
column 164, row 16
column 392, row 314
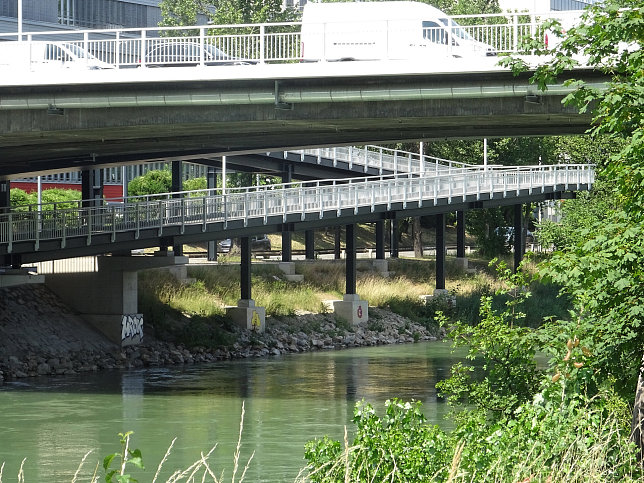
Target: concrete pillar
column 460, row 239
column 246, row 314
column 440, row 252
column 107, row 299
column 309, row 244
column 351, row 308
column 518, row 236
column 211, row 183
column 177, row 185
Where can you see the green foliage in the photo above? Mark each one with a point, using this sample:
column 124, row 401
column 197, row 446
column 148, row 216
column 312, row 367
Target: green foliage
column 152, row 182
column 19, row 197
column 194, row 184
column 581, row 217
column 63, row 198
column 399, row 446
column 604, row 278
column 126, row 457
column 223, row 12
column 506, row 351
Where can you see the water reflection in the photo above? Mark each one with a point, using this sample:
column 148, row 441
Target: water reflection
column 288, row 399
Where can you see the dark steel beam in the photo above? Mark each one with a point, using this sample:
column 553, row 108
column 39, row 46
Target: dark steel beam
column 440, row 251
column 245, row 268
column 350, row 259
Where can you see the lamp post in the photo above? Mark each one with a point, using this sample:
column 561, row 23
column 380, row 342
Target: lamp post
column 19, row 20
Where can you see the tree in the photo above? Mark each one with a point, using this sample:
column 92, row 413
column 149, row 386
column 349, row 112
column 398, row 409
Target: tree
column 222, row 12
column 602, row 272
column 152, row 182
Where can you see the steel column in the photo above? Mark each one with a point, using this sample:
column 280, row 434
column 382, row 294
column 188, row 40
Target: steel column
column 5, row 194
column 518, row 236
column 245, row 268
column 336, row 245
column 350, row 259
column 309, row 244
column 5, row 202
column 211, row 184
column 460, row 234
column 394, row 248
column 287, row 251
column 92, row 187
column 440, row 251
column 177, row 185
column 380, row 240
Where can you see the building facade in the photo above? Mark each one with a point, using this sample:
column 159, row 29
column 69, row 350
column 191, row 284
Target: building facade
column 45, row 15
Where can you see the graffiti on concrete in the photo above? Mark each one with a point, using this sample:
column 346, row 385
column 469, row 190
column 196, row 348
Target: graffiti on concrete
column 131, row 329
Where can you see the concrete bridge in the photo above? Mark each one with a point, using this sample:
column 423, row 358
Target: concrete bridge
column 89, row 119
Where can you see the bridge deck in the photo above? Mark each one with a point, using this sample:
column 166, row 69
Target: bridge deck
column 211, row 214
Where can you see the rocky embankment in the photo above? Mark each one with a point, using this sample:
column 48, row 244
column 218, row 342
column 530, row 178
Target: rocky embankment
column 39, row 335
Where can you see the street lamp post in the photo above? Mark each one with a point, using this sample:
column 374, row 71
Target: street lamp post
column 19, row 20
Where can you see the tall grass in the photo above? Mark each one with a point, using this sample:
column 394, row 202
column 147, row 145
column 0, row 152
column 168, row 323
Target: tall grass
column 164, row 300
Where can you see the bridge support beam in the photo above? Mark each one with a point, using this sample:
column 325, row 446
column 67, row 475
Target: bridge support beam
column 309, row 244
column 177, row 185
column 246, row 314
column 5, row 202
column 460, row 239
column 211, row 183
column 107, row 299
column 92, row 186
column 351, row 308
column 380, row 264
column 518, row 243
column 287, row 242
column 440, row 254
column 394, row 237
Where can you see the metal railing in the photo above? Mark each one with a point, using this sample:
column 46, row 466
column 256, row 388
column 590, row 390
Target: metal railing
column 383, row 159
column 61, row 222
column 274, row 42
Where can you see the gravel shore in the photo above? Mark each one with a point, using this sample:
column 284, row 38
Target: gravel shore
column 39, row 335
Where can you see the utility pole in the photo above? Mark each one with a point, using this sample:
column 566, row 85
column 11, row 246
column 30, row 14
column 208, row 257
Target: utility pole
column 19, row 20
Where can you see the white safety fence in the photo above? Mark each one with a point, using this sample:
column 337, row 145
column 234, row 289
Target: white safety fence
column 268, row 43
column 60, row 221
column 382, row 159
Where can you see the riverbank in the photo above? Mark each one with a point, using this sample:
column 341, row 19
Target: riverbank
column 40, row 335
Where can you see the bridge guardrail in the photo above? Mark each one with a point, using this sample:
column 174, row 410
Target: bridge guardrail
column 268, row 42
column 260, row 202
column 381, row 158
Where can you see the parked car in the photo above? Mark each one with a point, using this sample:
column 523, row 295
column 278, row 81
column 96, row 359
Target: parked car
column 188, row 53
column 36, row 55
column 508, row 233
column 257, row 243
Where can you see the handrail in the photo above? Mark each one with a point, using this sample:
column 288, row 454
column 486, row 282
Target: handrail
column 260, row 202
column 262, row 43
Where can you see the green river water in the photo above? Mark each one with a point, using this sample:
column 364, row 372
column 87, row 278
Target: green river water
column 53, row 422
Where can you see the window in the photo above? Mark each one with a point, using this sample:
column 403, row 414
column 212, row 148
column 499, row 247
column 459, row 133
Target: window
column 434, row 32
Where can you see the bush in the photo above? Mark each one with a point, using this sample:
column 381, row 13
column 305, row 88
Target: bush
column 400, row 446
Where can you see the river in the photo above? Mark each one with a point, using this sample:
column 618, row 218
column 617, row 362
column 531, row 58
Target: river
column 288, row 400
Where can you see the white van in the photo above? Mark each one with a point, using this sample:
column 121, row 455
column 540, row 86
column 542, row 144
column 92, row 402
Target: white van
column 383, row 30
column 38, row 55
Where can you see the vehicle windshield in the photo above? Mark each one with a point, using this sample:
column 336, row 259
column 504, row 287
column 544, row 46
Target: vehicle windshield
column 456, row 29
column 78, row 51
